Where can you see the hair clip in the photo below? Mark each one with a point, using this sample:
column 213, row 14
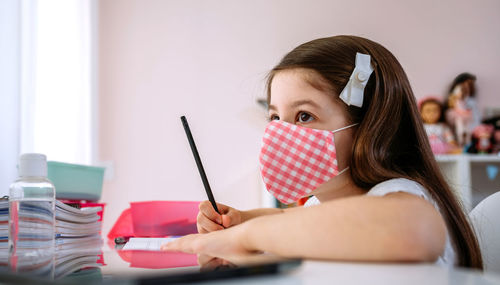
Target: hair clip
column 352, row 94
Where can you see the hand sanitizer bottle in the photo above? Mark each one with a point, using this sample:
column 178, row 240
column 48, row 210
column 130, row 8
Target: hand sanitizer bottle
column 32, row 218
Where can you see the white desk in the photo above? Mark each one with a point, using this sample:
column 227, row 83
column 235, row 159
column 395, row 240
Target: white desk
column 323, row 272
column 314, row 272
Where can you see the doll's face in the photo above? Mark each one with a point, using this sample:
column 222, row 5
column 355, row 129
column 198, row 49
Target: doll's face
column 468, row 87
column 496, row 134
column 430, row 112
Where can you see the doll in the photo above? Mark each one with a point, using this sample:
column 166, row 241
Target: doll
column 461, row 111
column 482, row 139
column 495, row 140
column 440, row 136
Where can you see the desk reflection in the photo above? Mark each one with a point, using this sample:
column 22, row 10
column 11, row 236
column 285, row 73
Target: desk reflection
column 93, row 263
column 108, row 263
column 53, row 266
column 87, row 262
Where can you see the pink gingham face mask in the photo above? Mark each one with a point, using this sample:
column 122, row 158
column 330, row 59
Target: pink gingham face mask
column 295, row 160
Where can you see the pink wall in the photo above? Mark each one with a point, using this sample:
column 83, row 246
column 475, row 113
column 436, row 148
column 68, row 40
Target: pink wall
column 207, row 59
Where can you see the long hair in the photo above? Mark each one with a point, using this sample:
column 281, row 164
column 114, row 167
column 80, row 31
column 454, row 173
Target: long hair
column 390, row 141
column 461, row 78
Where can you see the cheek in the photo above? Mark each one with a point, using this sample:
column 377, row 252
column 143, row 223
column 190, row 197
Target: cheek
column 343, row 144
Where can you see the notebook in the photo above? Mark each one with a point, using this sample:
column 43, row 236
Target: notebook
column 152, row 244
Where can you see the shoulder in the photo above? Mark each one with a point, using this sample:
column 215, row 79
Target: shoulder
column 400, row 185
column 412, row 187
column 312, row 201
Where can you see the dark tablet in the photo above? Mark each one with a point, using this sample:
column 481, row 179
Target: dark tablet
column 225, row 271
column 138, row 267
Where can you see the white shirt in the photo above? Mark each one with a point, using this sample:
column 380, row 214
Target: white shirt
column 447, row 258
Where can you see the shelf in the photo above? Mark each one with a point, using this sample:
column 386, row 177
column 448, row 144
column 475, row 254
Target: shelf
column 469, row 157
column 466, row 174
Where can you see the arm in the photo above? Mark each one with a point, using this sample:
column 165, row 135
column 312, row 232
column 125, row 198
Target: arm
column 251, row 214
column 396, row 227
column 255, row 213
column 208, row 220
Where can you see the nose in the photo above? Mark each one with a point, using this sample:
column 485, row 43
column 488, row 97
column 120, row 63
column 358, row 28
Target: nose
column 289, row 118
column 288, row 121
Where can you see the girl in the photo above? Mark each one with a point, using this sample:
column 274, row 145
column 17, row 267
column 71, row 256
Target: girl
column 345, row 128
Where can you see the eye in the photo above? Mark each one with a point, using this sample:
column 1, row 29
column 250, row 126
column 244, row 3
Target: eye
column 304, row 117
column 274, row 117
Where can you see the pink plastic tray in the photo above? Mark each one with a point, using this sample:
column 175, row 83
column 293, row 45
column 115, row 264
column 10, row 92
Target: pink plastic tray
column 164, row 218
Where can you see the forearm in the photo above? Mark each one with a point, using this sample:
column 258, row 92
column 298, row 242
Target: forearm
column 360, row 228
column 251, row 214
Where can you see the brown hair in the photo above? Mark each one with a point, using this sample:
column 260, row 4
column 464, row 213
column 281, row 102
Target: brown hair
column 390, row 141
column 461, row 78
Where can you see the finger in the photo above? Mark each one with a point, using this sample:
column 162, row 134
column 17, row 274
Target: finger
column 209, row 211
column 226, row 221
column 232, row 218
column 222, row 208
column 229, row 264
column 204, row 222
column 183, row 244
column 204, row 259
column 200, row 229
column 171, row 246
column 205, row 231
column 213, row 263
column 208, row 224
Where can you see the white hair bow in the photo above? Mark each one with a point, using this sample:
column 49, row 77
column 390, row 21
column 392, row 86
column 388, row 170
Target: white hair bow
column 355, row 87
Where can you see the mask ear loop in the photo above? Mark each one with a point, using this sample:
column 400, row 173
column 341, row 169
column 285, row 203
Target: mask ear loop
column 343, row 170
column 346, row 127
column 338, row 130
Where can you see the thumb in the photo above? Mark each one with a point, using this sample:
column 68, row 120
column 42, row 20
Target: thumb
column 231, row 218
column 168, row 246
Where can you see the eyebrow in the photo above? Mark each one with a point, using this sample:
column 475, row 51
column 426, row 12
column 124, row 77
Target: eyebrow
column 298, row 103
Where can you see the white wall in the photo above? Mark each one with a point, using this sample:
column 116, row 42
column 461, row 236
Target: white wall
column 207, row 59
column 9, row 93
column 56, row 79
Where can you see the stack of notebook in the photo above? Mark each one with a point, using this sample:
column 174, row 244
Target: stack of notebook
column 77, row 228
column 4, row 232
column 78, row 240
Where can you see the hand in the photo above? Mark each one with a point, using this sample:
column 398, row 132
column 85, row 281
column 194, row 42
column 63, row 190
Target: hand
column 209, row 220
column 208, row 262
column 226, row 243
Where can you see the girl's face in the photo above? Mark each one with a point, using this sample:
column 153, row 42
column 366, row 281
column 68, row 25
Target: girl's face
column 294, row 100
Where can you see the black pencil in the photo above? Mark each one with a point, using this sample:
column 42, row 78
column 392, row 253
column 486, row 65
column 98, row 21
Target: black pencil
column 198, row 163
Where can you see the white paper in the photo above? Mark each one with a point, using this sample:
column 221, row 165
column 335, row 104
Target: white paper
column 152, row 244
